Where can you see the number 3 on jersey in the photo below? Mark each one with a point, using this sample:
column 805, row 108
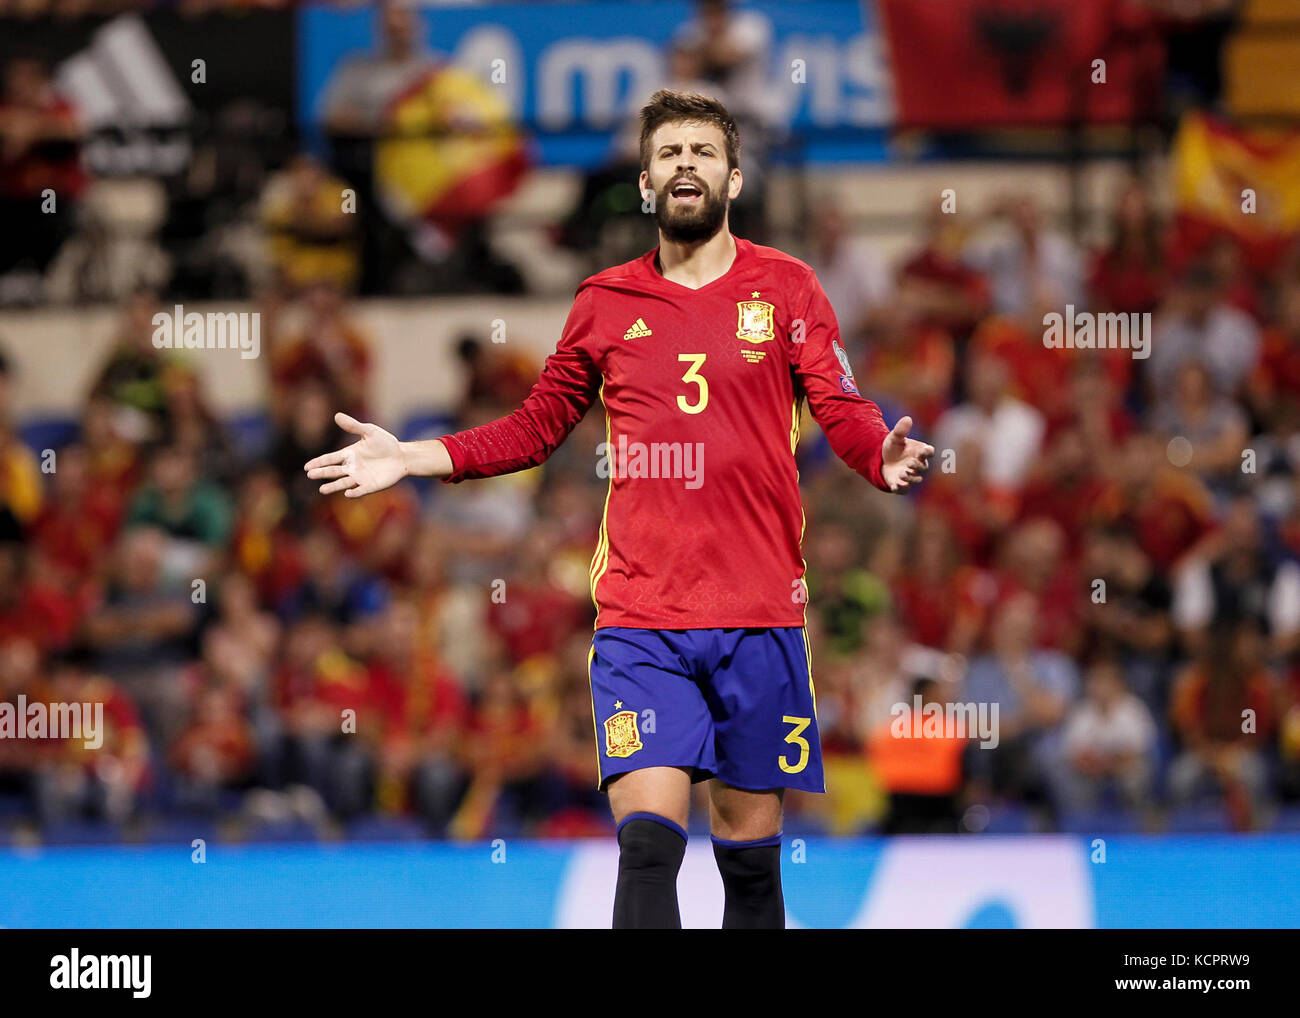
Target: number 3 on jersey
column 694, row 377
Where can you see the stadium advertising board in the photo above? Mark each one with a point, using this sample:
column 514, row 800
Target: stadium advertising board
column 572, row 77
column 1204, row 882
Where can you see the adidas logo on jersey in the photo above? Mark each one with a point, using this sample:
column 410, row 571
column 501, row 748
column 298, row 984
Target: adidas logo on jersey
column 638, row 330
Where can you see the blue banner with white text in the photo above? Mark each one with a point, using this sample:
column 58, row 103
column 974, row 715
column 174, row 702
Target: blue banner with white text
column 572, row 74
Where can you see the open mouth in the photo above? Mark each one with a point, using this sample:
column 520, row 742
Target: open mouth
column 686, row 192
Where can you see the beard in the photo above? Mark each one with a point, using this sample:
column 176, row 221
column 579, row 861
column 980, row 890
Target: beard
column 689, row 224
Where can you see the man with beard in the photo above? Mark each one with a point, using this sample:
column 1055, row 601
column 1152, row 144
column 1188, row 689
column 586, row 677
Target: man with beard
column 702, row 352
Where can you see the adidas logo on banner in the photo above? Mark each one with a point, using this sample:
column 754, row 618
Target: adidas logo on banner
column 638, row 330
column 136, row 110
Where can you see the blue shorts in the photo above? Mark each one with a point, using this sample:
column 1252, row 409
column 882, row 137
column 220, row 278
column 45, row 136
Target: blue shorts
column 736, row 704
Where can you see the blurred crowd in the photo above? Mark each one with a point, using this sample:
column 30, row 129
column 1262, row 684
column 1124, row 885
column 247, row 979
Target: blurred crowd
column 263, row 200
column 1106, row 548
column 248, row 635
column 258, row 205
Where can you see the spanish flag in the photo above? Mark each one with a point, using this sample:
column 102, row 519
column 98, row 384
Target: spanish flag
column 1238, row 180
column 451, row 151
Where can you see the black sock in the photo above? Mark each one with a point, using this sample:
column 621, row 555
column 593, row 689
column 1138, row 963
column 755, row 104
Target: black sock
column 751, row 877
column 650, row 854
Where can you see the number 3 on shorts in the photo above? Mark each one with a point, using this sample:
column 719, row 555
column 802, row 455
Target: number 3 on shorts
column 796, row 738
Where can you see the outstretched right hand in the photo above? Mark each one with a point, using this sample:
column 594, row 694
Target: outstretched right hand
column 373, row 464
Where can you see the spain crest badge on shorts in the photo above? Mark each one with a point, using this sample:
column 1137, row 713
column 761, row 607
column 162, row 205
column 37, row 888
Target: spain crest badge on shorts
column 622, row 737
column 755, row 321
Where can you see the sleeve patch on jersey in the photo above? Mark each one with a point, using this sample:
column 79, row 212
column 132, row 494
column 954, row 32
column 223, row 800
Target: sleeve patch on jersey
column 845, row 367
column 846, row 378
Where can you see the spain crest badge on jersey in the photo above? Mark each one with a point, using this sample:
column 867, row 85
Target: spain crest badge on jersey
column 622, row 737
column 755, row 324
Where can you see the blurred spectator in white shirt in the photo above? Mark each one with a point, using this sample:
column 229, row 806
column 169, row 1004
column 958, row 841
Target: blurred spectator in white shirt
column 1197, row 324
column 734, row 47
column 1216, row 427
column 1030, row 268
column 360, row 90
column 1238, row 573
column 1109, row 739
column 1008, row 432
column 854, row 276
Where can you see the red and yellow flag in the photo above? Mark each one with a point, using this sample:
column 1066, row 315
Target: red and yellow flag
column 453, row 151
column 1245, row 181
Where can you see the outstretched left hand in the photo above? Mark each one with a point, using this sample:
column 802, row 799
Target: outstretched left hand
column 903, row 460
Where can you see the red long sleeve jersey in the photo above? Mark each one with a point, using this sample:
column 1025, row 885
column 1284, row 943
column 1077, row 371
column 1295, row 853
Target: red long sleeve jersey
column 702, row 391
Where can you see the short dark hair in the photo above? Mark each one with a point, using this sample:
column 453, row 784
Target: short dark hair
column 671, row 107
